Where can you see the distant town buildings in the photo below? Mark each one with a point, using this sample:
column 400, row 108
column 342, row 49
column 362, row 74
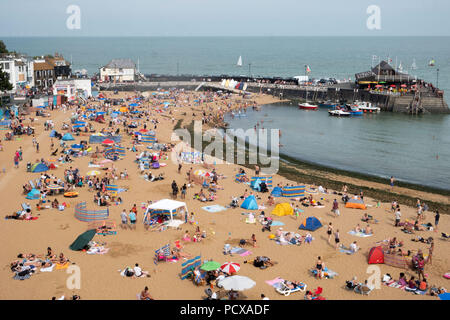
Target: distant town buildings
column 118, row 70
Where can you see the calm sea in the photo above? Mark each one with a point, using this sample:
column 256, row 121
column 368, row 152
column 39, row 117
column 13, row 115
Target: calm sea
column 414, row 149
column 339, row 57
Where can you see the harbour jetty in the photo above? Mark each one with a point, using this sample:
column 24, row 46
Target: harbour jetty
column 382, row 86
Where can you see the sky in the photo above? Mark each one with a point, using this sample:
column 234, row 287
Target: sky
column 111, row 18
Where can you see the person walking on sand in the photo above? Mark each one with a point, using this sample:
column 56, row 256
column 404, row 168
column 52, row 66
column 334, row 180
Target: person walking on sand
column 257, row 169
column 336, row 239
column 132, row 217
column 183, row 191
column 437, row 216
column 430, row 252
column 335, row 208
column 124, row 218
column 329, row 232
column 16, row 161
column 392, row 182
column 174, row 189
column 37, row 147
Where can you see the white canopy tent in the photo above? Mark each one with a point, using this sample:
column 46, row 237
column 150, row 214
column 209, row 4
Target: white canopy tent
column 166, row 204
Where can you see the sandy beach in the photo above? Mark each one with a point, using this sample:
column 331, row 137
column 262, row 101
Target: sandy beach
column 100, row 276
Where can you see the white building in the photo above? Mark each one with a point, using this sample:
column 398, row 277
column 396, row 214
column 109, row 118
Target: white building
column 118, row 70
column 73, row 88
column 19, row 70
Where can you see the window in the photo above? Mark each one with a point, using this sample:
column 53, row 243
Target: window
column 7, row 66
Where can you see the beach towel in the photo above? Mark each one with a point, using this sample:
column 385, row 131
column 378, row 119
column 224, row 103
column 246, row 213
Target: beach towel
column 246, row 253
column 327, row 273
column 240, row 251
column 359, row 234
column 214, row 208
column 62, row 266
column 274, row 281
column 97, row 250
column 277, row 224
column 48, row 269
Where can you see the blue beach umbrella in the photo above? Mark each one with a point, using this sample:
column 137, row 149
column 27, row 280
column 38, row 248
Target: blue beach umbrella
column 79, row 126
column 133, row 105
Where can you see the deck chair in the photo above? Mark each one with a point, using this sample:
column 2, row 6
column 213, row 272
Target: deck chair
column 284, row 290
column 32, row 184
column 25, row 206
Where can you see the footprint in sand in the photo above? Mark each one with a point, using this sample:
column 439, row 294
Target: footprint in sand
column 64, row 227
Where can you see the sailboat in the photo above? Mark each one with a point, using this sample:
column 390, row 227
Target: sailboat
column 414, row 65
column 432, row 63
column 239, row 63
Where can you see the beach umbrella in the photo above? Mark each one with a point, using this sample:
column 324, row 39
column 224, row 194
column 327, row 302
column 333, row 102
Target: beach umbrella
column 76, row 146
column 133, row 105
column 94, row 173
column 79, row 126
column 378, row 86
column 237, row 283
column 393, row 86
column 403, row 86
column 108, row 141
column 82, row 240
column 230, row 267
column 54, row 187
column 79, row 122
column 210, row 266
column 143, row 130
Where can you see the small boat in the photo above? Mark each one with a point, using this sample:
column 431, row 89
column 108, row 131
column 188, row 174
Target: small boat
column 307, row 106
column 239, row 63
column 338, row 112
column 355, row 111
column 432, row 63
column 366, row 107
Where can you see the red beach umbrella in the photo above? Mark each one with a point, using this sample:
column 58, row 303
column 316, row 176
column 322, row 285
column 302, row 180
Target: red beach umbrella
column 378, row 86
column 404, row 86
column 108, row 141
column 230, row 267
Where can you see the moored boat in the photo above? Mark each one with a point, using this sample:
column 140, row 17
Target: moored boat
column 307, row 106
column 339, row 113
column 366, row 107
column 328, row 104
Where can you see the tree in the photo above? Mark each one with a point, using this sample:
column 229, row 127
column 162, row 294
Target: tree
column 3, row 47
column 5, row 85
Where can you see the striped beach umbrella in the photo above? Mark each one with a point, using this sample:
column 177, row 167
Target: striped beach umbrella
column 230, row 267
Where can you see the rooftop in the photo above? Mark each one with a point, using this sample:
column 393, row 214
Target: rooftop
column 121, row 63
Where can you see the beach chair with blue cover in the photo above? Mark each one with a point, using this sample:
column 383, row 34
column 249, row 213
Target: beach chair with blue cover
column 286, row 291
column 162, row 254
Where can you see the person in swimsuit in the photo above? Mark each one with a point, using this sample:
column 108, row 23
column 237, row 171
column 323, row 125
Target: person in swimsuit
column 329, row 232
column 336, row 239
column 319, row 268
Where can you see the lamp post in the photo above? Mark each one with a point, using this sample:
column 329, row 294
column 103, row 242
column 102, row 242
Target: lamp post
column 250, row 70
column 437, row 78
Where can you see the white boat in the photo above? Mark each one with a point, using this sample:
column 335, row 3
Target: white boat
column 339, row 113
column 366, row 106
column 239, row 63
